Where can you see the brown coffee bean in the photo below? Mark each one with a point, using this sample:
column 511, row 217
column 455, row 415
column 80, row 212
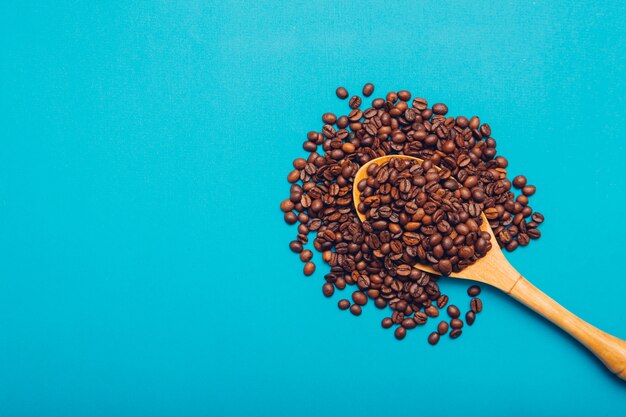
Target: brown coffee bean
column 328, row 289
column 295, row 246
column 387, row 323
column 290, row 217
column 442, row 327
column 286, row 205
column 368, row 89
column 305, row 255
column 476, row 305
column 342, row 93
column 408, row 323
column 431, row 311
column 400, row 333
column 359, row 298
column 529, row 190
column 473, row 291
column 329, row 118
column 453, row 311
column 440, row 108
column 433, row 338
column 343, row 304
column 355, row 102
column 442, row 301
column 420, row 318
column 470, row 317
column 455, row 333
column 456, row 323
column 534, row 233
column 309, row 268
column 519, row 181
column 356, row 309
column 537, row 217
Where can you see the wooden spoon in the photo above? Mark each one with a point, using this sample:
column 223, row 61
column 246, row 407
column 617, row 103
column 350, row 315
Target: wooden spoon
column 495, row 270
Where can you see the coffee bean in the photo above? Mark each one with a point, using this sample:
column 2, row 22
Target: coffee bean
column 420, row 318
column 355, row 309
column 442, row 301
column 433, row 338
column 305, row 255
column 529, row 190
column 342, row 93
column 534, row 233
column 359, row 298
column 355, row 102
column 537, row 217
column 386, row 323
column 286, row 205
column 476, row 305
column 440, row 108
column 408, row 323
column 519, row 181
column 400, row 333
column 455, row 333
column 473, row 291
column 328, row 289
column 453, row 311
column 456, row 323
column 470, row 317
column 442, row 327
column 368, row 89
column 431, row 311
column 295, row 246
column 343, row 304
column 290, row 217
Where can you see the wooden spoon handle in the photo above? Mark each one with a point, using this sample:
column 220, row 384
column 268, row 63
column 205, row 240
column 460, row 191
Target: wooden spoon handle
column 609, row 349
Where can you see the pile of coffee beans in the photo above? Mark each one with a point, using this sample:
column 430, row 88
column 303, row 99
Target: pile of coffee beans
column 429, row 220
column 363, row 254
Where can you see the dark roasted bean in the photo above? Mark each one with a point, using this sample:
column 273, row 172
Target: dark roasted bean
column 473, row 291
column 453, row 311
column 456, row 323
column 476, row 305
column 342, row 93
column 470, row 317
column 343, row 304
column 442, row 327
column 455, row 333
column 368, row 89
column 309, row 268
column 433, row 338
column 400, row 333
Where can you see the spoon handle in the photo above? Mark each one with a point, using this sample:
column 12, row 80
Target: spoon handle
column 609, row 349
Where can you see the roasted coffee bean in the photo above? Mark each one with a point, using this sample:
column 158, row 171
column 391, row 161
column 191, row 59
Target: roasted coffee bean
column 368, row 89
column 408, row 323
column 440, row 108
column 529, row 190
column 400, row 333
column 519, row 181
column 534, row 233
column 290, row 217
column 442, row 301
column 453, row 311
column 305, row 255
column 295, row 246
column 537, row 217
column 476, row 305
column 355, row 309
column 470, row 317
column 386, row 323
column 342, row 93
column 309, row 268
column 473, row 291
column 420, row 318
column 456, row 323
column 455, row 333
column 431, row 311
column 442, row 327
column 343, row 304
column 359, row 298
column 433, row 338
column 328, row 289
column 355, row 102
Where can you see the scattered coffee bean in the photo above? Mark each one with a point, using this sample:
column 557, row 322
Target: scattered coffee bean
column 442, row 327
column 473, row 291
column 400, row 333
column 387, row 323
column 343, row 304
column 476, row 305
column 328, row 289
column 519, row 181
column 453, row 311
column 355, row 309
column 305, row 255
column 529, row 190
column 455, row 333
column 355, row 102
column 342, row 93
column 295, row 246
column 368, row 89
column 433, row 338
column 470, row 317
column 456, row 323
column 309, row 268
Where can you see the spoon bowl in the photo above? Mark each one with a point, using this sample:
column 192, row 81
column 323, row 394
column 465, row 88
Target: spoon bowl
column 495, row 270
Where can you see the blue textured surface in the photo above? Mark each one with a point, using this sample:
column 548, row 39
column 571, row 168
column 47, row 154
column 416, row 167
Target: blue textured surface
column 144, row 267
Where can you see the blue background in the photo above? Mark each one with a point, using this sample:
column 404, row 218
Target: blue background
column 144, row 267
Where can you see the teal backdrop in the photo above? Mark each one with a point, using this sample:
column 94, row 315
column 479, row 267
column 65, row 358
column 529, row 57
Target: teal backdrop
column 144, row 147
